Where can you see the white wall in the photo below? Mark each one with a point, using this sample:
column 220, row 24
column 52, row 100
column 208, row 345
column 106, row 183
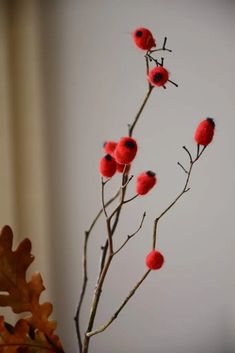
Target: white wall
column 94, row 82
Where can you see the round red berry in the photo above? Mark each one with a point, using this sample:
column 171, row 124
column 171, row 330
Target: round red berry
column 108, row 166
column 205, row 132
column 158, row 76
column 154, row 260
column 145, row 182
column 143, row 38
column 126, row 150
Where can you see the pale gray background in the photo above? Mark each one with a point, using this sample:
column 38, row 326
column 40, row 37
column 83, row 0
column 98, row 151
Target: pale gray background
column 95, row 81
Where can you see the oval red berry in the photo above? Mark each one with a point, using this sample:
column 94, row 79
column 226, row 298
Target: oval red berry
column 108, row 166
column 205, row 132
column 143, row 38
column 145, row 182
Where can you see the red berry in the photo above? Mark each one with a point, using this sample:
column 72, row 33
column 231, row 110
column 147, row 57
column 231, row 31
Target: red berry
column 126, row 150
column 205, row 132
column 109, row 147
column 154, row 260
column 145, row 182
column 108, row 166
column 143, row 38
column 158, row 76
column 120, row 168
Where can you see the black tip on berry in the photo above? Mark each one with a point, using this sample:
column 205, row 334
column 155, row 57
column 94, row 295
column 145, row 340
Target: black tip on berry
column 138, row 33
column 157, row 77
column 130, row 144
column 211, row 122
column 108, row 157
column 150, row 173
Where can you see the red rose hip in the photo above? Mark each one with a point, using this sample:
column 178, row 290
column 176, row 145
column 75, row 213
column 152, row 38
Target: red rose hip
column 154, row 260
column 145, row 182
column 126, row 150
column 205, row 132
column 143, row 38
column 158, row 76
column 108, row 166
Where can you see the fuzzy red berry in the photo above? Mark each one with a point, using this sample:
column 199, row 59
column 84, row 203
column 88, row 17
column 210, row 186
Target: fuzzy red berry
column 120, row 168
column 143, row 38
column 109, row 147
column 154, row 260
column 145, row 182
column 205, row 132
column 108, row 166
column 158, row 76
column 126, row 150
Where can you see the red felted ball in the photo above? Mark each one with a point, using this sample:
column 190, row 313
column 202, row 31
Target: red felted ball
column 143, row 38
column 158, row 76
column 120, row 168
column 109, row 147
column 145, row 182
column 108, row 166
column 205, row 132
column 154, row 260
column 126, row 150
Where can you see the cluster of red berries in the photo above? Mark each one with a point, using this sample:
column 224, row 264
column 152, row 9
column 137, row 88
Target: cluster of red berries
column 119, row 156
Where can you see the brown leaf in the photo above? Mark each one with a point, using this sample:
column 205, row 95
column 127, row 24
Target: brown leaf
column 19, row 341
column 20, row 295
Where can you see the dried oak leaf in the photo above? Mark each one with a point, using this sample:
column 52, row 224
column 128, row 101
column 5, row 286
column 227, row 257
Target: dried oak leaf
column 16, row 292
column 18, row 340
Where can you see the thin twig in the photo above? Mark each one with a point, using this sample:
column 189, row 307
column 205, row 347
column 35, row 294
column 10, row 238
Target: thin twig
column 105, row 268
column 147, row 69
column 184, row 190
column 163, row 47
column 132, row 126
column 85, row 275
column 189, row 154
column 131, row 199
column 182, row 167
column 125, row 185
column 115, row 315
column 131, row 235
column 102, row 196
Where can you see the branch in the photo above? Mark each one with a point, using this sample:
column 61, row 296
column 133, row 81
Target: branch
column 163, row 47
column 104, row 265
column 131, row 235
column 115, row 315
column 85, row 276
column 184, row 190
column 132, row 126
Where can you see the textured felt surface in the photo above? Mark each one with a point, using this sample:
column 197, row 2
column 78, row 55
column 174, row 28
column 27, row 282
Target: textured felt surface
column 158, row 76
column 143, row 38
column 145, row 182
column 205, row 132
column 126, row 150
column 108, row 166
column 154, row 260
